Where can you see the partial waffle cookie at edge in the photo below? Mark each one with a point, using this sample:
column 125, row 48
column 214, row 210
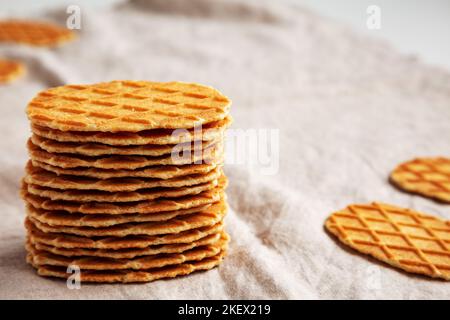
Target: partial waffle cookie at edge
column 34, row 33
column 129, row 106
column 429, row 177
column 10, row 70
column 406, row 239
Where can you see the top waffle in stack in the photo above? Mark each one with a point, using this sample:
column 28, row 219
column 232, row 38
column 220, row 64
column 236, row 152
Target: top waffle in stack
column 102, row 174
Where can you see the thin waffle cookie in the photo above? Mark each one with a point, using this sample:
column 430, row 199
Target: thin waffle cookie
column 104, row 196
column 128, row 253
column 114, row 208
column 34, row 33
column 406, row 239
column 99, row 149
column 429, row 177
column 68, row 241
column 209, row 155
column 129, row 106
column 210, row 131
column 10, row 70
column 208, row 217
column 146, row 262
column 156, row 172
column 63, row 218
column 48, row 179
column 130, row 276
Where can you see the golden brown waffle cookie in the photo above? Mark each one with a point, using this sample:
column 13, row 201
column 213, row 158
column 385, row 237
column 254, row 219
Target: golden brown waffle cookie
column 63, row 218
column 127, row 276
column 128, row 253
column 10, row 70
column 99, row 149
column 104, row 196
column 115, row 208
column 45, row 178
column 156, row 172
column 209, row 155
column 403, row 238
column 209, row 131
column 208, row 217
column 34, row 33
column 129, row 106
column 428, row 177
column 145, row 262
column 61, row 240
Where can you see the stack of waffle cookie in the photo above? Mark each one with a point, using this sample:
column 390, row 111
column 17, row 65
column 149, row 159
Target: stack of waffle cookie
column 125, row 180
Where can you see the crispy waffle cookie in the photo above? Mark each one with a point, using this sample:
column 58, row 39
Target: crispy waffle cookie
column 45, row 178
column 128, row 253
column 99, row 149
column 429, row 177
column 10, row 70
column 208, row 217
column 405, row 239
column 210, row 131
column 41, row 257
column 155, row 172
column 113, row 208
column 127, row 276
column 209, row 155
column 34, row 33
column 129, row 106
column 104, row 196
column 68, row 241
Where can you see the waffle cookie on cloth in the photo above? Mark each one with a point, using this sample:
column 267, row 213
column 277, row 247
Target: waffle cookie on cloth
column 125, row 180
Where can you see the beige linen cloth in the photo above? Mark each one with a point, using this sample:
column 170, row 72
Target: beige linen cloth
column 348, row 109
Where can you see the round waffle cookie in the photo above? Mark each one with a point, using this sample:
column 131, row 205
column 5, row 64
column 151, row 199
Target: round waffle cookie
column 129, row 106
column 10, row 70
column 208, row 132
column 34, row 33
column 41, row 257
column 178, row 157
column 104, row 196
column 128, row 253
column 403, row 238
column 131, row 276
column 45, row 178
column 155, row 172
column 208, row 217
column 429, row 177
column 100, row 149
column 60, row 240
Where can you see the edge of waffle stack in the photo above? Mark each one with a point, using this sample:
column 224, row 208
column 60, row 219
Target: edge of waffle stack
column 112, row 189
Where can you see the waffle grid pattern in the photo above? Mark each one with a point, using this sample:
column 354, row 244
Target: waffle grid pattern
column 33, row 33
column 127, row 106
column 426, row 176
column 403, row 238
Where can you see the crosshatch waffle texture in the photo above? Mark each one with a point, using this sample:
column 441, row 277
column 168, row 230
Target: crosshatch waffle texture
column 406, row 239
column 128, row 106
column 429, row 177
column 34, row 33
column 10, row 70
column 104, row 191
